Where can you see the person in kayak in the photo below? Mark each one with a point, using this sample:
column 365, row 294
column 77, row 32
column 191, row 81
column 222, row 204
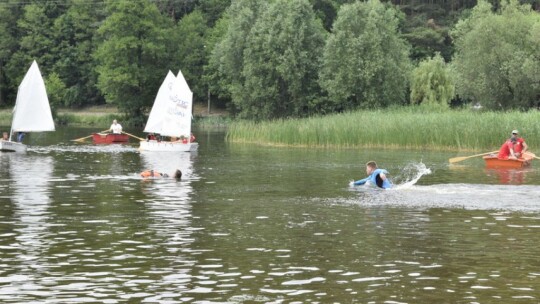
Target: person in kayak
column 520, row 146
column 507, row 149
column 376, row 177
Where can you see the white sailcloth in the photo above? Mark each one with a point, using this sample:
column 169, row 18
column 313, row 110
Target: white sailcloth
column 171, row 112
column 32, row 112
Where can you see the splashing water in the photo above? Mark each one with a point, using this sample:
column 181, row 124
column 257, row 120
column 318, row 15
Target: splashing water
column 410, row 175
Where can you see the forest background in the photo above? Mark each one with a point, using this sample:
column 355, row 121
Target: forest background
column 276, row 59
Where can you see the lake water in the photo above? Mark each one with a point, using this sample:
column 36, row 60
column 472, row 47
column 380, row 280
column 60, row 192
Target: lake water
column 253, row 224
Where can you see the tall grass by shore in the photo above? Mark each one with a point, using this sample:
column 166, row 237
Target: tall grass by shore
column 463, row 130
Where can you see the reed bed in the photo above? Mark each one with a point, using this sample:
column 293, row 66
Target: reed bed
column 462, row 130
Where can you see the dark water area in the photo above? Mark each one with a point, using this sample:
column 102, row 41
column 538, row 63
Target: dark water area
column 254, row 224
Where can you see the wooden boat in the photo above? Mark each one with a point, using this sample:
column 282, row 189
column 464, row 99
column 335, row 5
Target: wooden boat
column 492, row 162
column 171, row 116
column 109, row 138
column 32, row 112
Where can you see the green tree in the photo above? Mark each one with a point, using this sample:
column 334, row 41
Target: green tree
column 35, row 40
column 9, row 14
column 190, row 51
column 74, row 32
column 282, row 58
column 56, row 91
column 132, row 55
column 226, row 62
column 497, row 59
column 365, row 61
column 432, row 83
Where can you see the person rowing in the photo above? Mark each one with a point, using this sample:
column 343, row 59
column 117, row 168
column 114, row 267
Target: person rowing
column 376, row 177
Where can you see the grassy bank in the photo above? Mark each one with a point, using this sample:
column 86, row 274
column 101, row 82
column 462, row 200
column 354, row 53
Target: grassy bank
column 102, row 116
column 464, row 130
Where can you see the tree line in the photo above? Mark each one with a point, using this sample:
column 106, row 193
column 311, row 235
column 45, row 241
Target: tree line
column 267, row 59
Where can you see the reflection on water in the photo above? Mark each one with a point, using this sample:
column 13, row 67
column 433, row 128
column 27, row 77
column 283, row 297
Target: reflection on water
column 250, row 224
column 29, row 181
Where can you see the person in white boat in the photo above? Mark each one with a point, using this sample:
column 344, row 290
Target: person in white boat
column 5, row 136
column 116, row 128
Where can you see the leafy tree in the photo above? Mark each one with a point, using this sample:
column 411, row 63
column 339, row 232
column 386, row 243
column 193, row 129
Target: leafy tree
column 132, row 55
column 365, row 61
column 226, row 61
column 497, row 61
column 56, row 91
column 35, row 42
column 213, row 10
column 281, row 63
column 432, row 83
column 9, row 14
column 190, row 51
column 215, row 84
column 74, row 32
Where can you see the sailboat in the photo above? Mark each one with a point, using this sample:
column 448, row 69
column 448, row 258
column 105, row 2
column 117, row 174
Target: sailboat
column 32, row 112
column 171, row 116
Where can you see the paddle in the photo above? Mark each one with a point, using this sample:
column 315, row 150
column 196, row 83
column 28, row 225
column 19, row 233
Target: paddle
column 458, row 159
column 532, row 155
column 139, row 138
column 83, row 138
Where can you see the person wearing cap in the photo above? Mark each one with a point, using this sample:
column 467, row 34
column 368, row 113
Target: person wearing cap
column 520, row 146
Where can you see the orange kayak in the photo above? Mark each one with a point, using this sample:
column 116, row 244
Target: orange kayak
column 492, row 162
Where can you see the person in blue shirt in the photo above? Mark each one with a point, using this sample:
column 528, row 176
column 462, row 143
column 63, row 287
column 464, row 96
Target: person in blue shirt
column 376, row 177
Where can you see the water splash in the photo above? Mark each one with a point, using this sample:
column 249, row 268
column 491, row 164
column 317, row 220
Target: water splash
column 410, row 175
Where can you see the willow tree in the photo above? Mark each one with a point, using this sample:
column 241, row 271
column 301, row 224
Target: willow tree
column 281, row 61
column 132, row 55
column 497, row 59
column 432, row 83
column 365, row 61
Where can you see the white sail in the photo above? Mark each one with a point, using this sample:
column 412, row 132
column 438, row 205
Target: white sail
column 171, row 112
column 32, row 112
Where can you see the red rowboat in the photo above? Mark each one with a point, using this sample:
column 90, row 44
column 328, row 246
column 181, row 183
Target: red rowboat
column 109, row 138
column 492, row 162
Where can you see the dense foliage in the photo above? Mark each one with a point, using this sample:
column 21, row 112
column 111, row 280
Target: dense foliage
column 366, row 62
column 432, row 83
column 265, row 59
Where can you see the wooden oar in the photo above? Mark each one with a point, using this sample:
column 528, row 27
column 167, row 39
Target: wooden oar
column 83, row 138
column 532, row 155
column 458, row 159
column 139, row 138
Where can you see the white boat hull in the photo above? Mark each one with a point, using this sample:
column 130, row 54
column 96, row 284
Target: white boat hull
column 167, row 146
column 12, row 146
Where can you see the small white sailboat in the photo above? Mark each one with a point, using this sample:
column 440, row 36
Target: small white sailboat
column 32, row 112
column 171, row 116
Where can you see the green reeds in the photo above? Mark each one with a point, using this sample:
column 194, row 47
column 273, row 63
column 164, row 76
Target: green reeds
column 394, row 128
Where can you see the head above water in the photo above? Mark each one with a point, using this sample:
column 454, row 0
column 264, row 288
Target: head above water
column 178, row 174
column 371, row 166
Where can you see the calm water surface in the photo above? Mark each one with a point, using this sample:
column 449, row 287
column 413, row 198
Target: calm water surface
column 251, row 224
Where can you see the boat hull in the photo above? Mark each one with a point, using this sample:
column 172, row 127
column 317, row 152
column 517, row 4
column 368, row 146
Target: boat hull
column 108, row 138
column 492, row 162
column 167, row 146
column 12, row 146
